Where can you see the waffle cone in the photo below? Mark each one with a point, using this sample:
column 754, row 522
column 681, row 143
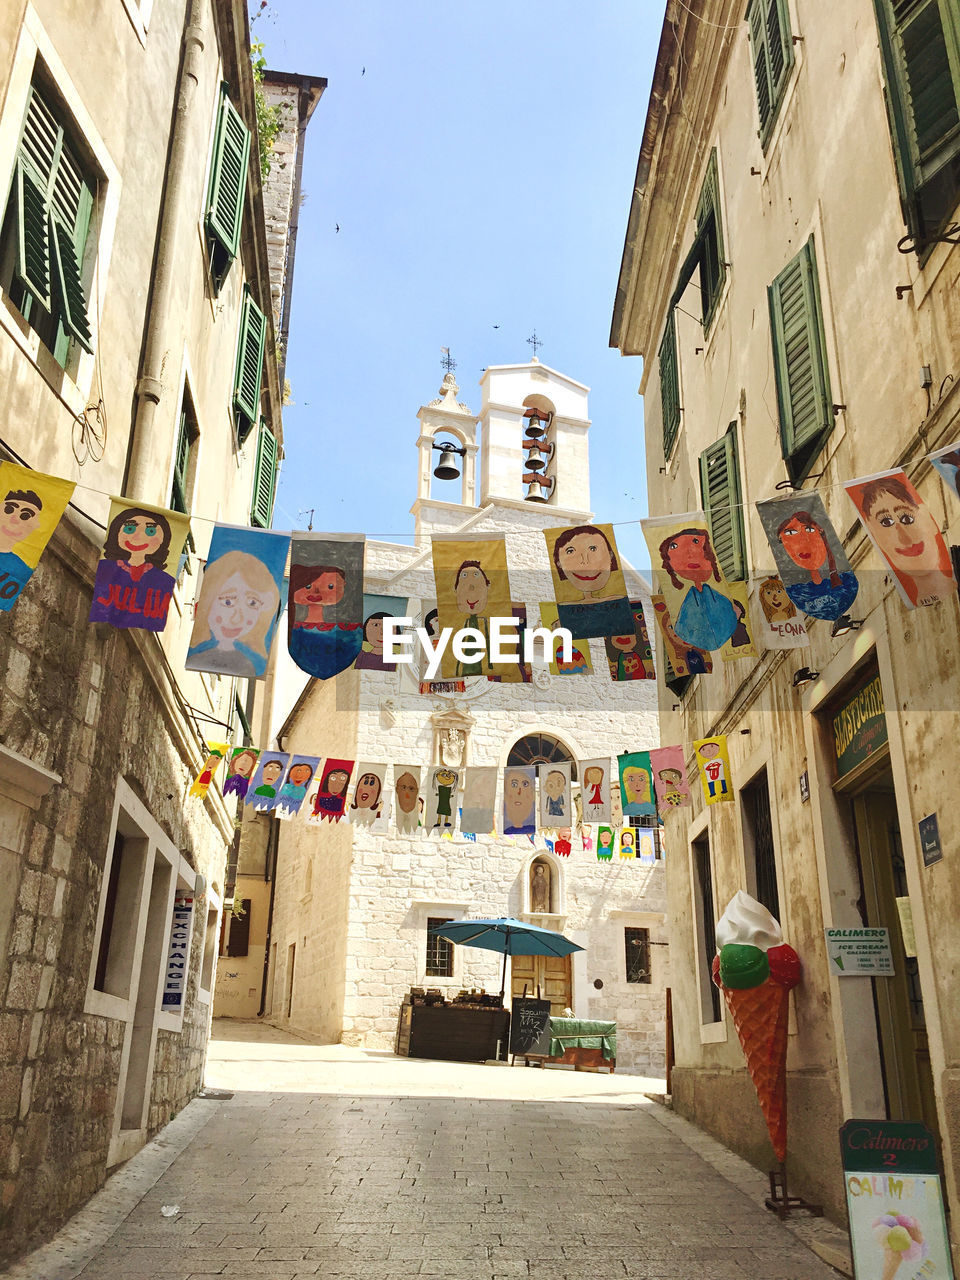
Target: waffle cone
column 891, row 1263
column 760, row 1017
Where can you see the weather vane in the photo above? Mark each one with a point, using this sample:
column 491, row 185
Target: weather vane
column 535, row 342
column 448, row 362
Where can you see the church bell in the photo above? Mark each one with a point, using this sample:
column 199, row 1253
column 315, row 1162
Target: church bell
column 446, row 468
column 535, row 460
column 536, row 493
column 536, row 426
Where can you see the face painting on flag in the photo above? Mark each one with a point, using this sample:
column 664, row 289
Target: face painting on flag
column 556, row 803
column 519, row 800
column 330, row 799
column 375, row 609
column 670, row 778
column 406, row 786
column 636, row 784
column 740, row 644
column 239, row 600
column 473, row 586
column 31, row 505
column 479, row 799
column 595, row 790
column 240, row 770
column 215, row 754
column 782, row 626
column 262, row 793
column 604, row 843
column 443, row 787
column 137, row 570
column 690, row 579
column 810, row 561
column 902, row 528
column 368, row 795
column 714, row 765
column 684, row 659
column 293, row 790
column 630, row 657
column 588, row 580
column 325, row 612
column 947, row 462
column 579, row 663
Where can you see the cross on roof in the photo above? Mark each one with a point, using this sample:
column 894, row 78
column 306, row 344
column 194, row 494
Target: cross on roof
column 448, row 362
column 535, row 342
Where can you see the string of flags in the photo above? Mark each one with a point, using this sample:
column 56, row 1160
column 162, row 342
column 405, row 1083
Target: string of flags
column 332, row 624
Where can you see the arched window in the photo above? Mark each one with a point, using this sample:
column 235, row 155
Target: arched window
column 541, row 748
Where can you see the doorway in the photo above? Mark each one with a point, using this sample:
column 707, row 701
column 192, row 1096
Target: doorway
column 898, row 1001
column 546, row 977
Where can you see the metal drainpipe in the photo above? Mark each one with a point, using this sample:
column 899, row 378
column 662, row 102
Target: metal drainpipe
column 273, row 851
column 141, row 473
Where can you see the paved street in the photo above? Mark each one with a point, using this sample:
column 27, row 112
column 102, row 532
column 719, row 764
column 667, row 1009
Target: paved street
column 333, row 1162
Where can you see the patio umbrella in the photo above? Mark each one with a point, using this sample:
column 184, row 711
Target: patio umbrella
column 511, row 937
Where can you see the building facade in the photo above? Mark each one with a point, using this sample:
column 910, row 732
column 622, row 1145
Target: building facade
column 351, row 906
column 788, row 277
column 135, row 317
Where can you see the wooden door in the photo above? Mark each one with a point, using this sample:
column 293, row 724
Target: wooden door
column 552, row 975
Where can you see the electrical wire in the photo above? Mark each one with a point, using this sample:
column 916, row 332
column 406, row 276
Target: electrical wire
column 717, row 26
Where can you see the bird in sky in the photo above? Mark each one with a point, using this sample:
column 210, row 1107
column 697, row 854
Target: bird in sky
column 363, row 71
column 336, row 227
column 496, row 326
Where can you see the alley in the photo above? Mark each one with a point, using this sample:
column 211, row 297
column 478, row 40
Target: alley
column 333, row 1162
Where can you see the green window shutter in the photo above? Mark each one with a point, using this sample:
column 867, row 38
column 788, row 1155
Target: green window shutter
column 181, row 464
column 713, row 269
column 33, row 237
column 722, row 503
column 70, row 296
column 800, row 361
column 669, row 385
column 264, row 479
column 771, row 44
column 228, row 181
column 249, row 369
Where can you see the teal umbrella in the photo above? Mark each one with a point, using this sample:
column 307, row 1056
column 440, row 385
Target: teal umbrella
column 511, row 937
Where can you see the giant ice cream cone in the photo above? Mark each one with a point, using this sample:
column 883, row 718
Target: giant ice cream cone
column 755, row 970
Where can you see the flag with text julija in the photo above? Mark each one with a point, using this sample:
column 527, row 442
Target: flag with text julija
column 138, row 566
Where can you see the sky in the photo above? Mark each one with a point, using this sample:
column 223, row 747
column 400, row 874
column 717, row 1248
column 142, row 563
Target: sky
column 479, row 160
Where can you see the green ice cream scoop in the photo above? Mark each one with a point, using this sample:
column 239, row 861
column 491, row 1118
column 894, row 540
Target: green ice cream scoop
column 743, row 966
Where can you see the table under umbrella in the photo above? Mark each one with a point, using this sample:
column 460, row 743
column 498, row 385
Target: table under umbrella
column 511, row 937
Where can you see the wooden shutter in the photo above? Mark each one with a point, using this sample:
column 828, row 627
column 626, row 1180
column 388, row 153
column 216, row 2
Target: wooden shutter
column 33, row 237
column 238, row 942
column 69, row 286
column 720, row 491
column 669, row 385
column 771, row 45
column 800, row 360
column 228, row 178
column 249, row 370
column 264, row 479
column 181, row 464
column 710, row 232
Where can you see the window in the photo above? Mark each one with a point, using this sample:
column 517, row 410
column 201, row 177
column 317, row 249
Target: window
column 238, row 930
column 541, row 748
column 228, row 183
column 722, row 502
column 669, row 385
column 758, row 842
column 439, row 950
column 45, row 230
column 249, row 368
column 703, row 881
column 264, row 479
column 637, row 946
column 920, row 46
column 771, row 44
column 185, row 461
column 709, row 242
column 800, row 362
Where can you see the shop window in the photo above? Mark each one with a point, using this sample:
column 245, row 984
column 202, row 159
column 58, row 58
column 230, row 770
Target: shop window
column 264, row 479
column 248, row 373
column 439, row 950
column 722, row 503
column 45, row 228
column 228, row 184
column 758, row 844
column 771, row 46
column 707, row 935
column 637, row 947
column 920, row 48
column 118, row 930
column 669, row 384
column 800, row 362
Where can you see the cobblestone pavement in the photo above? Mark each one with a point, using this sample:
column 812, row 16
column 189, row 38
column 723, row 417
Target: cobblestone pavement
column 408, row 1174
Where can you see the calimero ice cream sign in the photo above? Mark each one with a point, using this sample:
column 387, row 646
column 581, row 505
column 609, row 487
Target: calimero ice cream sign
column 860, row 726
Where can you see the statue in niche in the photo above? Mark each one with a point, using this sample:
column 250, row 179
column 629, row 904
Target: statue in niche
column 452, row 743
column 539, row 889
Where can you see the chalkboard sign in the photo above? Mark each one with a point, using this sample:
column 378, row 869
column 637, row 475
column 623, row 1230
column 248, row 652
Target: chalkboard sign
column 530, row 1027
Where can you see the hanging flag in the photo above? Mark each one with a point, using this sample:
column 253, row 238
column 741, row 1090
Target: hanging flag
column 479, row 799
column 903, row 530
column 740, row 644
column 375, row 609
column 520, row 800
column 325, row 614
column 562, row 845
column 30, row 510
column 595, row 790
column 588, row 581
column 628, row 843
column 330, row 799
column 630, row 657
column 605, row 843
column 947, row 463
column 215, row 753
column 782, row 626
column 556, row 801
column 518, row 672
column 137, row 570
column 636, row 784
column 579, row 663
column 810, row 561
column 714, row 765
column 646, row 852
column 368, row 795
column 586, row 838
column 406, row 786
column 293, row 792
column 243, row 762
column 690, row 579
column 670, row 779
column 443, row 786
column 239, row 601
column 473, row 586
column 684, row 659
column 264, row 787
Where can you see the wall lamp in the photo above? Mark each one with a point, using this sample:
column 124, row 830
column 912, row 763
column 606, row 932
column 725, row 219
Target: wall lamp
column 845, row 624
column 804, row 676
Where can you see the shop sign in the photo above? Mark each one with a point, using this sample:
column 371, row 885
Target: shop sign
column 894, row 1201
column 804, row 787
column 175, row 975
column 859, row 953
column 859, row 727
column 930, row 840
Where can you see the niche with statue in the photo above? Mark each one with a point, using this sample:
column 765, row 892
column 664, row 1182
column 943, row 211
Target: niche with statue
column 543, row 889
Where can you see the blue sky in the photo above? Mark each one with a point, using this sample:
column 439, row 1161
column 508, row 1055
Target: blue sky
column 480, row 171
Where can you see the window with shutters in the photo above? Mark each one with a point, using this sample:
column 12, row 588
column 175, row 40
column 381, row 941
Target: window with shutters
column 669, row 385
column 771, row 46
column 45, row 229
column 758, row 843
column 920, row 46
column 228, row 184
column 800, row 362
column 264, row 479
column 249, row 370
column 238, row 930
column 722, row 503
column 185, row 473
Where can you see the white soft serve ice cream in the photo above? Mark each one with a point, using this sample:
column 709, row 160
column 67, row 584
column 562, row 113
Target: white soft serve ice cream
column 749, row 923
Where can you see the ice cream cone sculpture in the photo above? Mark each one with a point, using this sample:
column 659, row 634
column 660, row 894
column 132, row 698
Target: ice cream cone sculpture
column 901, row 1240
column 755, row 969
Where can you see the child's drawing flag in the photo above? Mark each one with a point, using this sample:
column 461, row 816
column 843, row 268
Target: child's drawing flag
column 137, row 570
column 215, row 753
column 714, row 765
column 264, row 787
column 293, row 792
column 30, row 509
